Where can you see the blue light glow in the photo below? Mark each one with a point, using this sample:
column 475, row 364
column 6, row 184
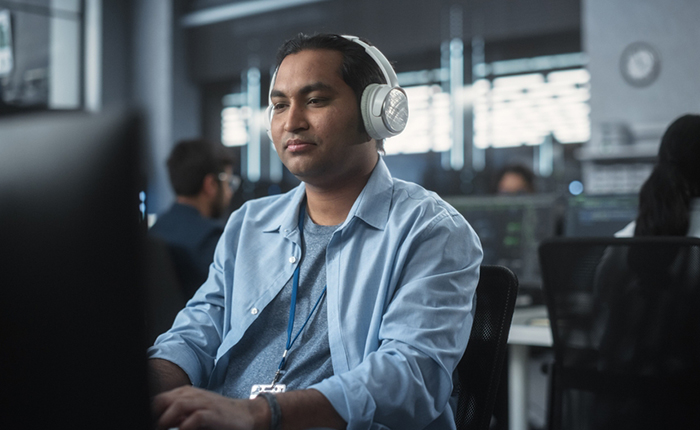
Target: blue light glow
column 575, row 187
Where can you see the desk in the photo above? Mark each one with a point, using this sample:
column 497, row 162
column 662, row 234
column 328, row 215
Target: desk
column 530, row 327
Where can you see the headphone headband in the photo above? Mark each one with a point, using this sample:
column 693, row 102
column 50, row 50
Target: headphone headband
column 379, row 58
column 384, row 107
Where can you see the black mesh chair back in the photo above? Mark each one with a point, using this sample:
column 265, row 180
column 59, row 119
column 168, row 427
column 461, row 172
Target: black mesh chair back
column 478, row 372
column 165, row 295
column 625, row 318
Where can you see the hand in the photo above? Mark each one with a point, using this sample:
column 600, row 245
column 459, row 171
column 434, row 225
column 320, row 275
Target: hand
column 192, row 408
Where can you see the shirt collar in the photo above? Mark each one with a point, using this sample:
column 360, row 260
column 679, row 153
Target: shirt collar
column 371, row 206
column 287, row 220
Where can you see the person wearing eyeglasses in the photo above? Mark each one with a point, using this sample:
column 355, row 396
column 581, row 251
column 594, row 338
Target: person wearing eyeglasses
column 201, row 174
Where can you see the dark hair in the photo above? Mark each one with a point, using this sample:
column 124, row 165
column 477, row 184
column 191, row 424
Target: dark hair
column 191, row 161
column 357, row 70
column 520, row 170
column 664, row 200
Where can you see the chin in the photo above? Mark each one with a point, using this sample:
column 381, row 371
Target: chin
column 307, row 175
column 300, row 169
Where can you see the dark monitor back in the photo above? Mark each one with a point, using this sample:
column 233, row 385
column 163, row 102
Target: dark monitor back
column 510, row 229
column 71, row 308
column 599, row 215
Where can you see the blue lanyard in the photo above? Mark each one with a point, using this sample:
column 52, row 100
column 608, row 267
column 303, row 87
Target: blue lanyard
column 293, row 305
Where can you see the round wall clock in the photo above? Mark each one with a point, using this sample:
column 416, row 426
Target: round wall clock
column 640, row 64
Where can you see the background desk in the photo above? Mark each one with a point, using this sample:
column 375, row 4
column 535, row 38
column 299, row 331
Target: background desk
column 530, row 327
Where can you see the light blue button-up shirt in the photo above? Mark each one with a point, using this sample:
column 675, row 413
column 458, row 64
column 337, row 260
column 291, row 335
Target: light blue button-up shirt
column 401, row 270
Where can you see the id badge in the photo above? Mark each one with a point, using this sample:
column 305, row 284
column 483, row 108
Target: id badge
column 267, row 388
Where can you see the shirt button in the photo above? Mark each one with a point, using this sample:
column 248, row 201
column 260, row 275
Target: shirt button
column 254, row 311
column 292, row 260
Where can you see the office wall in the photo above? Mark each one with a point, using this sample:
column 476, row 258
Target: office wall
column 672, row 28
column 153, row 79
column 186, row 94
column 162, row 89
column 117, row 47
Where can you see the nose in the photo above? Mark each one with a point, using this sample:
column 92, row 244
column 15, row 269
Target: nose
column 296, row 118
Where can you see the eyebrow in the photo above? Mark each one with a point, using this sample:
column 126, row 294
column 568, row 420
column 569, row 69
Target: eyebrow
column 317, row 86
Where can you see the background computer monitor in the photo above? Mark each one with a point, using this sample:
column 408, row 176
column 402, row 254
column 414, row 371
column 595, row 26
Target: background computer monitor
column 599, row 215
column 72, row 343
column 510, row 229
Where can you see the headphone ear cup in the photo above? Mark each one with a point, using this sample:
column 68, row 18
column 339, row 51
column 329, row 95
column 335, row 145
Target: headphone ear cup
column 366, row 104
column 384, row 110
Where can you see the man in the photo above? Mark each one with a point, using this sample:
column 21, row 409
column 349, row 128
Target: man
column 201, row 175
column 515, row 179
column 384, row 301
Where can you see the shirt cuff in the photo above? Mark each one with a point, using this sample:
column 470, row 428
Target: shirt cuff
column 183, row 358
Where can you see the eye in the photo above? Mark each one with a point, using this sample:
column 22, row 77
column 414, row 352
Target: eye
column 278, row 106
column 316, row 101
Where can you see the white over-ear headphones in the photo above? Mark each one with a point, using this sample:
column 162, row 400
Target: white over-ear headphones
column 384, row 107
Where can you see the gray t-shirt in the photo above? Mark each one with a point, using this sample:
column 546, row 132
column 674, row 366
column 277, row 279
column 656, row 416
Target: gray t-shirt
column 255, row 359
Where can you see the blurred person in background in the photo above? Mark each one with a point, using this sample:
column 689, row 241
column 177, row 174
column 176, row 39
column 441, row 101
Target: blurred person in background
column 515, row 179
column 669, row 201
column 201, row 174
column 646, row 297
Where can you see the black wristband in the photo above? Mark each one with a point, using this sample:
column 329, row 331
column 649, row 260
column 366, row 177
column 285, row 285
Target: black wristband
column 275, row 411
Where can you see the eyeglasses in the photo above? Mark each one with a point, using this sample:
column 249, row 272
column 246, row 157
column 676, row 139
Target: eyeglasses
column 233, row 181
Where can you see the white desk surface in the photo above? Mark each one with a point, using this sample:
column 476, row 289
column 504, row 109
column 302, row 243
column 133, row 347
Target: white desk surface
column 530, row 327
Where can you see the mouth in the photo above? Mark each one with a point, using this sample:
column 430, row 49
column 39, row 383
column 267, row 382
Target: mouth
column 297, row 145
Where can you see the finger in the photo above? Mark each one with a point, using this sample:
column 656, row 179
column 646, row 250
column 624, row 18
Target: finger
column 174, row 407
column 162, row 401
column 172, row 416
column 200, row 419
column 221, row 413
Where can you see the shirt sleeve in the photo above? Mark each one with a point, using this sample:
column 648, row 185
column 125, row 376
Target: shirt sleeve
column 407, row 382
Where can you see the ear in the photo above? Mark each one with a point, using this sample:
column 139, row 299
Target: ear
column 210, row 185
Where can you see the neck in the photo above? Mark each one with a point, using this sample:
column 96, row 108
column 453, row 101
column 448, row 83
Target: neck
column 331, row 205
column 198, row 203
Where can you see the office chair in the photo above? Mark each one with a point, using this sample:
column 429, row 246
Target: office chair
column 625, row 319
column 479, row 370
column 164, row 293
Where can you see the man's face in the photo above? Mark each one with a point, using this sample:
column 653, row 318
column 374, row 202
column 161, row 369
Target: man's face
column 315, row 120
column 512, row 183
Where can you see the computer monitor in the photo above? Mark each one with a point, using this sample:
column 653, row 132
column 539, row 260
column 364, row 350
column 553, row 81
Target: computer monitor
column 510, row 229
column 72, row 342
column 599, row 215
